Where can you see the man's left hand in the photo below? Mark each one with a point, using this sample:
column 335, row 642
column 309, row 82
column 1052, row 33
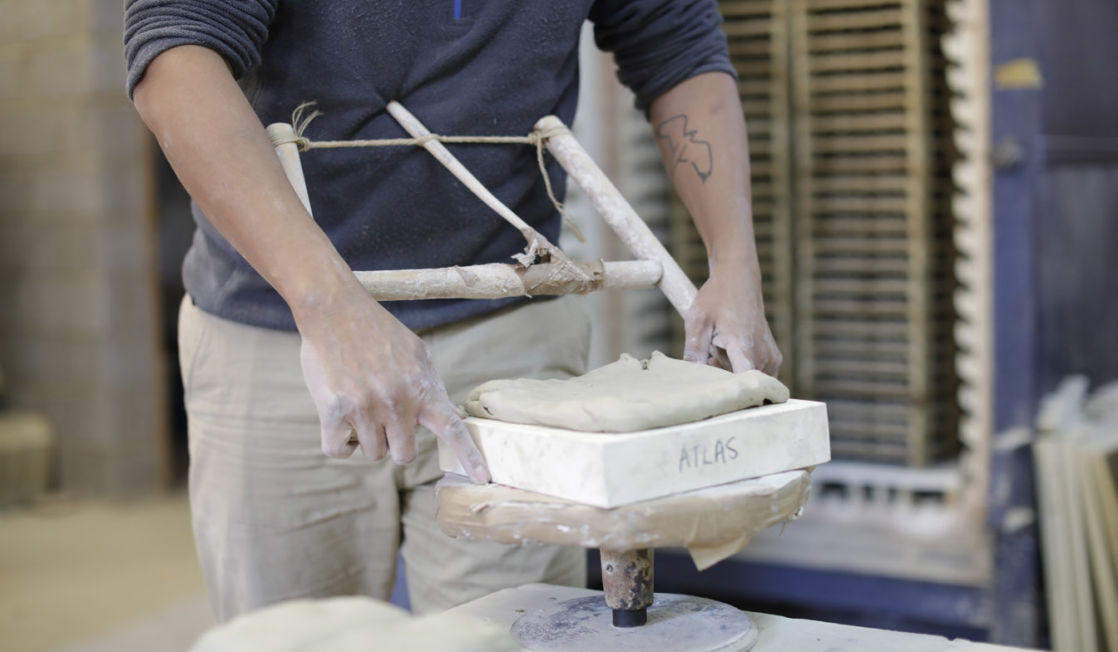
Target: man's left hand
column 729, row 314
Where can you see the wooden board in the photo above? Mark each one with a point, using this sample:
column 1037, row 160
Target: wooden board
column 1096, row 488
column 1058, row 573
column 1076, row 458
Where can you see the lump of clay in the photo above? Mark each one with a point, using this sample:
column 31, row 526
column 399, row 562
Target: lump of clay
column 627, row 395
column 351, row 624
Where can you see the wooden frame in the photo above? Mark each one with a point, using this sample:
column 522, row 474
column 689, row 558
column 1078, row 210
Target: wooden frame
column 543, row 268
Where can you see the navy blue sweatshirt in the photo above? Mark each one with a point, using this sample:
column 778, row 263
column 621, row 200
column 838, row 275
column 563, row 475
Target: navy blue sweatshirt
column 463, row 67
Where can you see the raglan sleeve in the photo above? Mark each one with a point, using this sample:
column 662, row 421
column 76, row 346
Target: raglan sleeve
column 660, row 43
column 235, row 29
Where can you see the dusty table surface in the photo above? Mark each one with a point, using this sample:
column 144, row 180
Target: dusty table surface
column 777, row 634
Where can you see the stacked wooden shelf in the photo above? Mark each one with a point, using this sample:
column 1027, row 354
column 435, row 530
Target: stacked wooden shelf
column 852, row 144
column 874, row 249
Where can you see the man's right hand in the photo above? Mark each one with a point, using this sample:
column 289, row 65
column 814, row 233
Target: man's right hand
column 367, row 373
column 371, row 377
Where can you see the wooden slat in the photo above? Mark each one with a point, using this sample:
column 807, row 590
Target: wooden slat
column 846, row 41
column 879, row 438
column 854, row 246
column 745, row 7
column 759, row 147
column 844, row 5
column 880, row 411
column 860, row 62
column 857, row 225
column 885, row 330
column 869, row 449
column 761, row 169
column 864, row 367
column 868, row 386
column 749, row 49
column 852, row 164
column 885, row 337
column 830, row 265
column 759, row 69
column 892, row 121
column 757, row 108
column 866, row 308
column 826, row 144
column 746, row 28
column 886, row 80
column 873, row 19
column 859, row 205
column 871, row 286
column 851, row 184
column 859, row 102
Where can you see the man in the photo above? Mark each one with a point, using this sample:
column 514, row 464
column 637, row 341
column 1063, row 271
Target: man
column 274, row 309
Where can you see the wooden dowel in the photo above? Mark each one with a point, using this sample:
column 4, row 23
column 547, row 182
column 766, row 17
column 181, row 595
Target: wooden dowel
column 617, row 212
column 416, row 129
column 496, row 281
column 283, row 138
column 492, row 281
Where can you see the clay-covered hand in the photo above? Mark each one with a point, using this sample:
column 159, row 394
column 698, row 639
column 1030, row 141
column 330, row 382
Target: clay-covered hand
column 366, row 372
column 729, row 314
column 371, row 377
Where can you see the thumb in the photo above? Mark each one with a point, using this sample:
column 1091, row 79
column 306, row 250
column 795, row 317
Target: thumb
column 696, row 346
column 439, row 417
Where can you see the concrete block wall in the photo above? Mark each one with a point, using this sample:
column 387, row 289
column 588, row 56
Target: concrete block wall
column 78, row 305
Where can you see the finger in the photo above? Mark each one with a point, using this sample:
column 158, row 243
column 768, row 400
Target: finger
column 696, row 346
column 718, row 358
column 400, row 431
column 739, row 361
column 771, row 365
column 335, row 432
column 439, row 417
column 728, row 352
column 371, row 435
column 336, row 437
column 331, row 408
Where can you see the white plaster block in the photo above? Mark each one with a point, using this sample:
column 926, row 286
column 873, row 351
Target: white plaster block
column 611, row 469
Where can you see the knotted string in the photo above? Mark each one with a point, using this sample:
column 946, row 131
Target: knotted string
column 305, row 113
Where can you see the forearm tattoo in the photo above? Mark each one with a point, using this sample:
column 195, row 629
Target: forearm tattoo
column 685, row 149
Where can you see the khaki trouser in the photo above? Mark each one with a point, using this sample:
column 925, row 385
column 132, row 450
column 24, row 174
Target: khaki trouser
column 274, row 519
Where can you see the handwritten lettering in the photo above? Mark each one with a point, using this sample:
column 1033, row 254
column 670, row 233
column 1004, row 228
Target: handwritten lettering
column 699, row 455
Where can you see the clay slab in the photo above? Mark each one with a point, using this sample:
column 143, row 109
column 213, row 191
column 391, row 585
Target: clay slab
column 611, row 469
